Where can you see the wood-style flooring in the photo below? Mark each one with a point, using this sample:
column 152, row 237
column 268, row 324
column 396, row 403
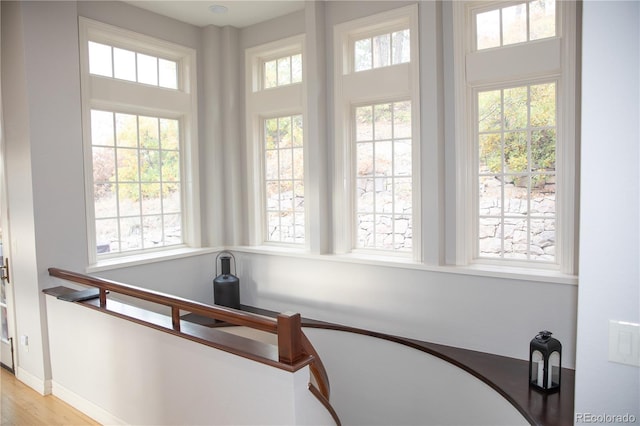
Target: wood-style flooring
column 22, row 406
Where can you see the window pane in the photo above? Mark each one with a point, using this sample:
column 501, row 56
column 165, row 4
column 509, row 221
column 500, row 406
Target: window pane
column 490, row 153
column 126, row 130
column 543, row 195
column 170, row 166
column 383, row 159
column 402, row 120
column 284, row 71
column 401, row 47
column 515, row 152
column 169, row 136
column 516, row 180
column 135, row 179
column 490, row 196
column 148, row 132
column 168, row 74
column 270, row 74
column 489, row 111
column 298, row 163
column 101, row 128
column 542, row 19
column 100, row 59
column 488, row 29
column 381, row 50
column 362, row 55
column 284, row 180
column 124, row 64
column 383, row 190
column 130, row 233
column 297, row 131
column 402, row 158
column 104, row 161
column 296, row 68
column 105, row 201
column 271, row 133
column 364, row 123
column 543, row 150
column 152, row 231
column 284, row 132
column 382, row 121
column 514, row 24
column 107, row 235
column 515, row 108
column 147, row 69
column 152, row 205
column 543, row 105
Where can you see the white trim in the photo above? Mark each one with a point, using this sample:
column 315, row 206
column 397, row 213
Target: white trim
column 85, row 406
column 123, row 96
column 147, row 258
column 382, row 260
column 43, row 387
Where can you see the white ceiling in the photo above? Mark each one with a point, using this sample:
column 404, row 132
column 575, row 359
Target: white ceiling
column 240, row 13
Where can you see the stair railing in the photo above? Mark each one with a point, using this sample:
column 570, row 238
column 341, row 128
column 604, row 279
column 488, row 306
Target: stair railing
column 294, row 349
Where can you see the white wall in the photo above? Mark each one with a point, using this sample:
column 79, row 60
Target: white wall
column 120, row 372
column 610, row 215
column 44, row 162
column 377, row 382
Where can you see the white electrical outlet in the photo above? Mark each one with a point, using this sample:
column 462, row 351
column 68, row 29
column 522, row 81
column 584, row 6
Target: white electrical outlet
column 624, row 342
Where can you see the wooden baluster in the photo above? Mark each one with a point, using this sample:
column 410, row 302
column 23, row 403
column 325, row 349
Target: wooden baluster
column 175, row 318
column 103, row 298
column 289, row 338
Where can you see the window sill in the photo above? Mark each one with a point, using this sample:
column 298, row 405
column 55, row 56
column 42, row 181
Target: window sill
column 146, row 258
column 492, row 271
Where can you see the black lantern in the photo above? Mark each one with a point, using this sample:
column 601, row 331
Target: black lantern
column 545, row 361
column 226, row 286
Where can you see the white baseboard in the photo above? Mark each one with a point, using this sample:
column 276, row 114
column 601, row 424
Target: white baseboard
column 85, row 406
column 43, row 387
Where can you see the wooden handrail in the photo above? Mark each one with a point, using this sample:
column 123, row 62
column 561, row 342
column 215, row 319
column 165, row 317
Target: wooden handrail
column 287, row 327
column 229, row 315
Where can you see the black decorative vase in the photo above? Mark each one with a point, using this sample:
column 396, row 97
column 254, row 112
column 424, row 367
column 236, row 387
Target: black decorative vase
column 226, row 286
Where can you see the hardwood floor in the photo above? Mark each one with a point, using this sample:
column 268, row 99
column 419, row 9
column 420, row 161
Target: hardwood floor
column 22, row 406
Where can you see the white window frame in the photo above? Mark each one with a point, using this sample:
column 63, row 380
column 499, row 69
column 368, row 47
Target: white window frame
column 549, row 59
column 112, row 94
column 263, row 103
column 391, row 83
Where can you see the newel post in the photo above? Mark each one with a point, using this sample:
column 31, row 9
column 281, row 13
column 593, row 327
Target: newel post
column 289, row 338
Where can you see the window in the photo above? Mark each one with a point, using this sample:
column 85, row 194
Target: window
column 282, row 71
column 383, row 176
column 516, row 23
column 517, row 173
column 377, row 127
column 382, row 50
column 110, row 61
column 140, row 124
column 277, row 160
column 284, row 179
column 136, row 181
column 516, row 133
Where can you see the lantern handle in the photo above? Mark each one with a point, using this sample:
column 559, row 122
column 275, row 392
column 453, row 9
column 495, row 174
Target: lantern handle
column 542, row 335
column 235, row 270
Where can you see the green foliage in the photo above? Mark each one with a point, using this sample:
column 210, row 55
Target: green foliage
column 152, row 160
column 517, row 129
